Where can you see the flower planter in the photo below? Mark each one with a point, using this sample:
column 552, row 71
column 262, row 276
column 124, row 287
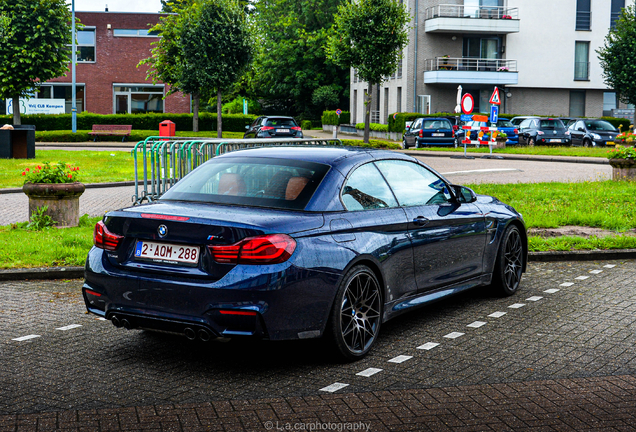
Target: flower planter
column 62, row 200
column 623, row 169
column 500, row 144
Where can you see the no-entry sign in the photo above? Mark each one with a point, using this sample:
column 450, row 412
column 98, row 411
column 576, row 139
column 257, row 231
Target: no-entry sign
column 468, row 103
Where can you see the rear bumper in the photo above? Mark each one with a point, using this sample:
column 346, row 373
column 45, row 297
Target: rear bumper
column 435, row 141
column 286, row 302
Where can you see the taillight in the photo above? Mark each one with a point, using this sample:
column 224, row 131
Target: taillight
column 455, row 127
column 516, row 131
column 104, row 239
column 296, row 128
column 421, row 134
column 540, row 132
column 267, row 128
column 266, row 249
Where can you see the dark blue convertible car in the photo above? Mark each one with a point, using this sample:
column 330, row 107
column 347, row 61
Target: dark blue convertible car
column 295, row 243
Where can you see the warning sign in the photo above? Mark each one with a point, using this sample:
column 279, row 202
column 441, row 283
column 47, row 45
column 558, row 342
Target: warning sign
column 494, row 99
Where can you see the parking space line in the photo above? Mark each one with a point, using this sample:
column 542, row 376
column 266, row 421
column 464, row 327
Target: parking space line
column 69, row 327
column 24, row 338
column 334, row 387
column 609, row 265
column 369, row 372
column 551, row 290
column 400, row 359
column 454, row 335
column 567, row 284
column 476, row 324
column 517, row 305
column 534, row 298
column 428, row 346
column 581, row 277
column 497, row 314
column 596, row 271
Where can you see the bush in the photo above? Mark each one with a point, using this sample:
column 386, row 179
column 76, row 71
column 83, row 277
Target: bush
column 305, row 125
column 377, row 127
column 623, row 123
column 149, row 121
column 372, row 144
column 399, row 123
column 236, row 106
column 331, row 118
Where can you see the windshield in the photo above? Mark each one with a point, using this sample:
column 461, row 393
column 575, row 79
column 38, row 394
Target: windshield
column 280, row 122
column 504, row 123
column 259, row 182
column 600, row 125
column 436, row 124
column 551, row 124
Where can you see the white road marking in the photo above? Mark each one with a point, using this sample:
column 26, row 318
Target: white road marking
column 69, row 327
column 497, row 314
column 534, row 298
column 369, row 372
column 581, row 277
column 23, row 338
column 494, row 170
column 334, row 387
column 454, row 335
column 610, row 266
column 428, row 345
column 517, row 305
column 101, row 319
column 551, row 290
column 567, row 284
column 400, row 359
column 596, row 271
column 476, row 324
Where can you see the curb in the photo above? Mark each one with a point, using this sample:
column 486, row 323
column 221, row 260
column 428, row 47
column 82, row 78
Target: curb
column 47, row 273
column 87, row 186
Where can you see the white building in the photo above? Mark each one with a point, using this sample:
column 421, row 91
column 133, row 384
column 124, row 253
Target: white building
column 540, row 53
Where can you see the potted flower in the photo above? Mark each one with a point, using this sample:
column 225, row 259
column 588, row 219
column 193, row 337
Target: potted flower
column 57, row 188
column 503, row 69
column 623, row 162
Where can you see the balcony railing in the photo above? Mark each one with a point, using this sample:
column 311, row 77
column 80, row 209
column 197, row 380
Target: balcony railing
column 470, row 64
column 461, row 11
column 583, row 20
column 581, row 71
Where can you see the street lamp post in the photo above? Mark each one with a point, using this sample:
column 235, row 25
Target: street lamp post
column 73, row 61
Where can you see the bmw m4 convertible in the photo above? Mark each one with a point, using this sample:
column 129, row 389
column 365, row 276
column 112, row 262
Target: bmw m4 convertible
column 297, row 242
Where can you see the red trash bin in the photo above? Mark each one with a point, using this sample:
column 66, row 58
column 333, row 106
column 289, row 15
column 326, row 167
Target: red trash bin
column 167, row 128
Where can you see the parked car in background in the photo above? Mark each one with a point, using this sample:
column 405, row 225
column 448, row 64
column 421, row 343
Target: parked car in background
column 429, row 131
column 299, row 243
column 503, row 125
column 543, row 131
column 274, row 127
column 592, row 132
column 516, row 121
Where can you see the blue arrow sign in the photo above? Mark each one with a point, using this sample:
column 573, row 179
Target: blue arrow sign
column 494, row 114
column 466, row 117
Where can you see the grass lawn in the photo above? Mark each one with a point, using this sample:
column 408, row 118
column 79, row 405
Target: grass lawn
column 608, row 205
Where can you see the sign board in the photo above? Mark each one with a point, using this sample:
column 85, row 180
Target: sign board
column 494, row 113
column 466, row 117
column 494, row 99
column 244, row 106
column 338, row 111
column 468, row 103
column 480, row 118
column 38, row 106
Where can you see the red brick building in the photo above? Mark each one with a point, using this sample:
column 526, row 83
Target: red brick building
column 108, row 80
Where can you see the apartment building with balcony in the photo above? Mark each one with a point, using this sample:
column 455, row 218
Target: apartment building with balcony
column 540, row 53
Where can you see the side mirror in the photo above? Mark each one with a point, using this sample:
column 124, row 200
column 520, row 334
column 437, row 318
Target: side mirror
column 581, row 129
column 464, row 195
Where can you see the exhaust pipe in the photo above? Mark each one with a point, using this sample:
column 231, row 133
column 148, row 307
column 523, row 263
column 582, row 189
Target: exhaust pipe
column 125, row 324
column 116, row 322
column 204, row 335
column 189, row 333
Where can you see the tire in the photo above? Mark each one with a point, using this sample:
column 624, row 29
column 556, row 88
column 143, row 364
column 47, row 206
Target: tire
column 404, row 145
column 510, row 262
column 456, row 142
column 586, row 143
column 530, row 142
column 356, row 315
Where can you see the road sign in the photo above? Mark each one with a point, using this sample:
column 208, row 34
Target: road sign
column 466, row 117
column 468, row 103
column 338, row 111
column 494, row 113
column 494, row 99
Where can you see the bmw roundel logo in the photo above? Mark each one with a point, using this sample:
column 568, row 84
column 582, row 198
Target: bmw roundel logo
column 162, row 230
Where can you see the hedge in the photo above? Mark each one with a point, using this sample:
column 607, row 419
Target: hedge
column 377, row 127
column 149, row 121
column 305, row 125
column 331, row 118
column 135, row 136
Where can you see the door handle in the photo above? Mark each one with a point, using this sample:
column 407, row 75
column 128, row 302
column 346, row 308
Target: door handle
column 420, row 221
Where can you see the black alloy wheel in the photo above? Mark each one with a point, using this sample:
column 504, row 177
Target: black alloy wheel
column 357, row 313
column 530, row 142
column 404, row 144
column 586, row 143
column 510, row 262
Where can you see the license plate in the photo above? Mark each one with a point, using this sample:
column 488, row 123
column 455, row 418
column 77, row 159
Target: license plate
column 282, row 130
column 609, row 143
column 167, row 252
column 438, row 134
column 555, row 140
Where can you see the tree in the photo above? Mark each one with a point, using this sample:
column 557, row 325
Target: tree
column 291, row 62
column 617, row 56
column 369, row 36
column 206, row 47
column 34, row 46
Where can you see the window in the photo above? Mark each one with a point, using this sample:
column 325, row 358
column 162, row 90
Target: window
column 130, row 99
column 135, row 33
column 581, row 61
column 617, row 6
column 386, row 102
column 85, row 49
column 583, row 15
column 609, row 103
column 413, row 184
column 354, row 114
column 577, row 103
column 63, row 91
column 399, row 69
column 399, row 100
column 366, row 189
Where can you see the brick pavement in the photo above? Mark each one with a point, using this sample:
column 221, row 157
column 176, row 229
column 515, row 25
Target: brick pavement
column 565, row 360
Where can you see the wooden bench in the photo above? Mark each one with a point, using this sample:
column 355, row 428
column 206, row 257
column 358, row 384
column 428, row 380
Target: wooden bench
column 110, row 130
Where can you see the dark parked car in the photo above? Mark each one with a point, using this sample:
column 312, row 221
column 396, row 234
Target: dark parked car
column 503, row 125
column 543, row 131
column 429, row 131
column 273, row 127
column 516, row 121
column 297, row 243
column 592, row 132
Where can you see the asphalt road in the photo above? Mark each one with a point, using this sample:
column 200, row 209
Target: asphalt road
column 559, row 355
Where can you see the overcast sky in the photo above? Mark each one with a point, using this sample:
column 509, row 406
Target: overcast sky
column 117, row 5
